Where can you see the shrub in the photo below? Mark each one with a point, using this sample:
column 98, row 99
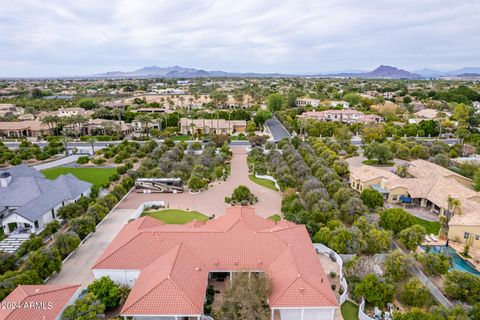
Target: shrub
column 51, row 228
column 395, row 219
column 435, row 264
column 242, row 194
column 83, row 160
column 416, row 294
column 29, row 245
column 44, row 261
column 107, row 291
column 99, row 161
column 85, row 308
column 463, row 286
column 375, row 290
column 66, row 243
column 371, row 198
column 412, row 236
column 196, row 183
column 8, row 262
column 83, row 225
column 114, row 177
column 97, row 211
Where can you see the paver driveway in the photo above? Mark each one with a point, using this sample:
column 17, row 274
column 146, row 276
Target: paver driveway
column 212, row 201
column 77, row 269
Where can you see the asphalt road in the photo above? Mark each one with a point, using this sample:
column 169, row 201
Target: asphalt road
column 277, row 130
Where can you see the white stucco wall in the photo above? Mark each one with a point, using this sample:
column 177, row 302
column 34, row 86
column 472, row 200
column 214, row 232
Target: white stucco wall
column 307, row 314
column 127, row 277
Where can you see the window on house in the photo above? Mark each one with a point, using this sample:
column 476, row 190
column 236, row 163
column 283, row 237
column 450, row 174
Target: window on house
column 466, row 235
column 36, row 224
column 477, row 237
column 394, row 198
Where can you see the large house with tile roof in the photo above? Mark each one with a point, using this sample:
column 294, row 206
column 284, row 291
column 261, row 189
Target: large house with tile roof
column 38, row 301
column 169, row 267
column 29, row 201
column 428, row 185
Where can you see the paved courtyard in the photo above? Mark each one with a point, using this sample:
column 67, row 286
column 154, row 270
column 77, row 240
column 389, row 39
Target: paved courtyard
column 211, row 201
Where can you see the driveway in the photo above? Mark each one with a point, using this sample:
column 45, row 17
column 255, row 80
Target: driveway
column 277, row 129
column 355, row 162
column 57, row 163
column 211, row 201
column 77, row 269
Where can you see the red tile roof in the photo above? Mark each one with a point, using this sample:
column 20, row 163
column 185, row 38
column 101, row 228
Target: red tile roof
column 44, row 302
column 175, row 261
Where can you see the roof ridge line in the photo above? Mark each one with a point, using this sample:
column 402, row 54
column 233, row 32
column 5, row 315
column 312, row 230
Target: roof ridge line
column 54, row 290
column 315, row 288
column 143, row 296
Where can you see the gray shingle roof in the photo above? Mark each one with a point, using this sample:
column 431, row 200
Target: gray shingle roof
column 34, row 195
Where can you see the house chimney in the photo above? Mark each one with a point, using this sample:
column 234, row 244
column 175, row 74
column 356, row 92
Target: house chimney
column 5, row 179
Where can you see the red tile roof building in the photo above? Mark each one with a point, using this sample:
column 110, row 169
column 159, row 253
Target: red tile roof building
column 168, row 266
column 43, row 302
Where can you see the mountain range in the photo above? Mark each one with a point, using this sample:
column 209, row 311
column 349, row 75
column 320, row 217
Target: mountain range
column 382, row 72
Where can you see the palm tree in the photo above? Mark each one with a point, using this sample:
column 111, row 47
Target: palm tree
column 144, row 120
column 92, row 141
column 401, row 170
column 48, row 121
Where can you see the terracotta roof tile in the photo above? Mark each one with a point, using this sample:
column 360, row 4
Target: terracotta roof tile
column 175, row 261
column 50, row 301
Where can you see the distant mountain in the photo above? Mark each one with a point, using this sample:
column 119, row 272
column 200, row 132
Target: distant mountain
column 382, row 72
column 464, row 70
column 388, row 72
column 179, row 72
column 468, row 75
column 430, row 73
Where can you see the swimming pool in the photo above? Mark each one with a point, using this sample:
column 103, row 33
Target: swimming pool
column 457, row 261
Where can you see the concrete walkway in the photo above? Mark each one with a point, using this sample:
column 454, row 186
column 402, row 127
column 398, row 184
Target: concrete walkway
column 211, row 201
column 77, row 269
column 57, row 163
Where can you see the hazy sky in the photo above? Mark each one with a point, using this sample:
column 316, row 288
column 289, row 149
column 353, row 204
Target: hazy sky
column 67, row 37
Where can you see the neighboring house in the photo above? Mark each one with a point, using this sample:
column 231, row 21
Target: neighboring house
column 346, row 115
column 303, row 102
column 21, row 129
column 66, row 112
column 212, row 126
column 428, row 185
column 343, row 104
column 28, row 200
column 476, row 106
column 8, row 109
column 427, row 114
column 169, row 267
column 42, row 302
column 106, row 127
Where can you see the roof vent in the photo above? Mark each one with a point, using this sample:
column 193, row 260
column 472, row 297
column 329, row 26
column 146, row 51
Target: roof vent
column 37, row 290
column 298, row 275
column 198, row 269
column 302, row 290
column 260, row 261
column 235, row 262
column 216, row 263
column 321, row 280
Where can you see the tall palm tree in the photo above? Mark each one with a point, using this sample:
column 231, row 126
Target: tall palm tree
column 144, row 120
column 48, row 121
column 92, row 141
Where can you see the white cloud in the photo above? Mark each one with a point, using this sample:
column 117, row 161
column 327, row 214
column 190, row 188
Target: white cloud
column 55, row 37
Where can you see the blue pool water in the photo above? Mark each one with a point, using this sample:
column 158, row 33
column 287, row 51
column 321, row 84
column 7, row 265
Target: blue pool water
column 458, row 263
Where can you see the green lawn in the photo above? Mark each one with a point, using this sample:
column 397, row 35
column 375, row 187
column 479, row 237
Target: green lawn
column 96, row 176
column 182, row 138
column 431, row 227
column 349, row 311
column 275, row 217
column 376, row 164
column 174, row 216
column 263, row 182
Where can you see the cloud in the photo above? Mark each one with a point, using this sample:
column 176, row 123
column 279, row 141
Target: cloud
column 56, row 37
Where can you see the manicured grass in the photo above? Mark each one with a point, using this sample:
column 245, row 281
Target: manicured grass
column 263, row 182
column 96, row 176
column 275, row 217
column 376, row 164
column 349, row 311
column 174, row 216
column 182, row 138
column 431, row 227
